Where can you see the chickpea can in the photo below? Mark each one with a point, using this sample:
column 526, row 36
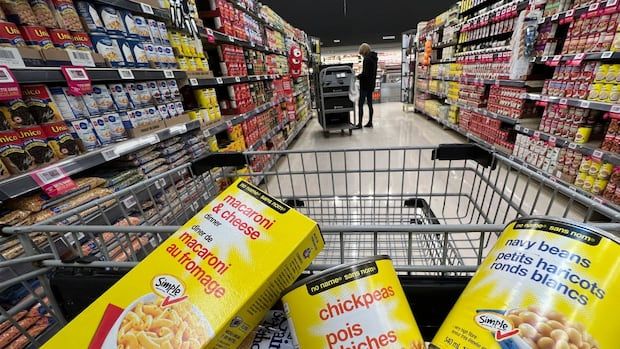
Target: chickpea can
column 356, row 306
column 546, row 284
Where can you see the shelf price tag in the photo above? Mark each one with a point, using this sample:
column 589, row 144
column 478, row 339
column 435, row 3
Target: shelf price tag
column 168, row 74
column 237, row 79
column 109, row 154
column 129, row 202
column 584, row 104
column 160, row 183
column 610, row 6
column 611, row 3
column 126, row 74
column 568, row 16
column 593, row 7
column 615, row 109
column 563, row 101
column 53, row 181
column 536, row 135
column 577, row 59
column 572, row 146
column 178, row 129
column 607, row 54
column 229, row 124
column 555, row 17
column 77, row 79
column 80, row 58
column 597, row 154
column 544, row 58
column 210, row 36
column 206, row 133
column 231, row 39
column 9, row 88
column 552, row 141
column 146, row 8
column 219, row 81
column 11, row 58
column 193, row 82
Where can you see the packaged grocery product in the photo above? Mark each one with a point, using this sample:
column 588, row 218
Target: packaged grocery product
column 119, row 95
column 62, row 38
column 154, row 31
column 43, row 13
column 76, row 102
column 103, row 98
column 19, row 12
column 115, row 124
column 42, row 107
column 179, row 107
column 547, row 283
column 60, row 139
column 102, row 130
column 154, row 91
column 108, row 48
column 139, row 54
column 12, row 153
column 172, row 109
column 84, row 131
column 82, row 41
column 67, row 16
column 151, row 54
column 36, row 36
column 165, row 92
column 112, row 21
column 142, row 28
column 90, row 16
column 261, row 230
column 163, row 33
column 144, row 94
column 91, row 104
column 130, row 24
column 10, row 35
column 163, row 111
column 16, row 113
column 123, row 46
column 35, row 144
column 62, row 103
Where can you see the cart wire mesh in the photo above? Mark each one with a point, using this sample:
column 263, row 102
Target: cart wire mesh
column 433, row 210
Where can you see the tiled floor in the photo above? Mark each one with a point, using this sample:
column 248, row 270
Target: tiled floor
column 379, row 192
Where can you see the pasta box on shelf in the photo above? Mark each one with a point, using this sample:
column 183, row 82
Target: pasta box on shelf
column 209, row 284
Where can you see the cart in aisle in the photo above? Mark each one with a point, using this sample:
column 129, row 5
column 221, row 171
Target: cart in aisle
column 335, row 83
column 435, row 210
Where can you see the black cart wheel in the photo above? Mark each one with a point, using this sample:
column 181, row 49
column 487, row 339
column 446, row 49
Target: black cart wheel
column 350, row 132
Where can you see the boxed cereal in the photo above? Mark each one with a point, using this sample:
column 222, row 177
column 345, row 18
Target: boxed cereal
column 209, row 284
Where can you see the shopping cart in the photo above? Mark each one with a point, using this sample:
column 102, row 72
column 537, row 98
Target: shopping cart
column 435, row 210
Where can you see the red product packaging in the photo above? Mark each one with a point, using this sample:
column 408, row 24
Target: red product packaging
column 35, row 144
column 60, row 139
column 82, row 41
column 12, row 153
column 10, row 35
column 37, row 36
column 61, row 38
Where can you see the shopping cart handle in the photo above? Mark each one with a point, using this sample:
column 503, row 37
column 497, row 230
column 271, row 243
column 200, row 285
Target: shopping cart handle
column 461, row 151
column 213, row 160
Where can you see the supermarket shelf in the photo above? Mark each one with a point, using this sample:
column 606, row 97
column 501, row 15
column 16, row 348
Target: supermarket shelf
column 227, row 80
column 438, row 94
column 136, row 7
column 500, row 82
column 477, row 8
column 228, row 39
column 574, row 102
column 487, row 113
column 252, row 14
column 266, row 137
column 445, row 44
column 565, row 143
column 589, row 56
column 258, row 179
column 574, row 13
column 18, row 185
column 494, row 37
column 35, row 75
column 300, row 92
column 501, row 151
column 444, row 61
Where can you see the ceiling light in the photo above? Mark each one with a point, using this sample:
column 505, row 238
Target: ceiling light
column 389, row 37
column 336, row 40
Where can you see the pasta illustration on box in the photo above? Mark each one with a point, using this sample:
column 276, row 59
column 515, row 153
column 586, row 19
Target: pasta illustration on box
column 206, row 286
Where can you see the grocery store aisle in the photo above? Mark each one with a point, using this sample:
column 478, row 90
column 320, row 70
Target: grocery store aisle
column 393, row 127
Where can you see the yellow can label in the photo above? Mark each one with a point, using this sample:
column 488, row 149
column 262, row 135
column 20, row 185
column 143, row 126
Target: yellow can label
column 360, row 307
column 206, row 286
column 545, row 285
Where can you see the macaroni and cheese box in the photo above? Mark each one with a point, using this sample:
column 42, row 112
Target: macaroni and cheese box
column 209, row 284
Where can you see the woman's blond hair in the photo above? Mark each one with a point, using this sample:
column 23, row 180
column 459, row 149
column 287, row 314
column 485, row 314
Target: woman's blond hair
column 364, row 49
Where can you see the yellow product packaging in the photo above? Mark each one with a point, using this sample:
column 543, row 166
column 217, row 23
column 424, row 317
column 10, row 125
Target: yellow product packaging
column 605, row 94
column 209, row 284
column 547, row 283
column 202, row 97
column 601, row 73
column 595, row 92
column 175, row 40
column 356, row 305
column 205, row 62
column 612, row 73
column 182, row 63
column 199, row 64
column 206, row 115
column 191, row 64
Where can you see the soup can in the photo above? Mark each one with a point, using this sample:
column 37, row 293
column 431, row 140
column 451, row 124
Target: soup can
column 356, row 305
column 546, row 284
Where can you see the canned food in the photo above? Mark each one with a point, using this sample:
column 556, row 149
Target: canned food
column 599, row 186
column 547, row 283
column 10, row 35
column 588, row 183
column 340, row 308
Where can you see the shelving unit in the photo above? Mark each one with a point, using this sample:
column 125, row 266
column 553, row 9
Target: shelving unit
column 434, row 78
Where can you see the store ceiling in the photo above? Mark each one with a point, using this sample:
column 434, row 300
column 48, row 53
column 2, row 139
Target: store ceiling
column 363, row 21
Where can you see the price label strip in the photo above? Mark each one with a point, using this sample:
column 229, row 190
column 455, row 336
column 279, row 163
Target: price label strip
column 81, row 58
column 168, row 74
column 146, row 8
column 126, row 74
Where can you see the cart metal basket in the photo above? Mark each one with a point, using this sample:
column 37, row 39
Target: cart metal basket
column 435, row 210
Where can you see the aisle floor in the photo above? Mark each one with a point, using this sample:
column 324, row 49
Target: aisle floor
column 387, row 177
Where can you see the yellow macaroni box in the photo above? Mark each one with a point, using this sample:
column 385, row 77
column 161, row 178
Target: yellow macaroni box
column 209, row 284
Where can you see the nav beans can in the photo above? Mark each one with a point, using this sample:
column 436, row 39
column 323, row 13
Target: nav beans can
column 357, row 305
column 546, row 284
